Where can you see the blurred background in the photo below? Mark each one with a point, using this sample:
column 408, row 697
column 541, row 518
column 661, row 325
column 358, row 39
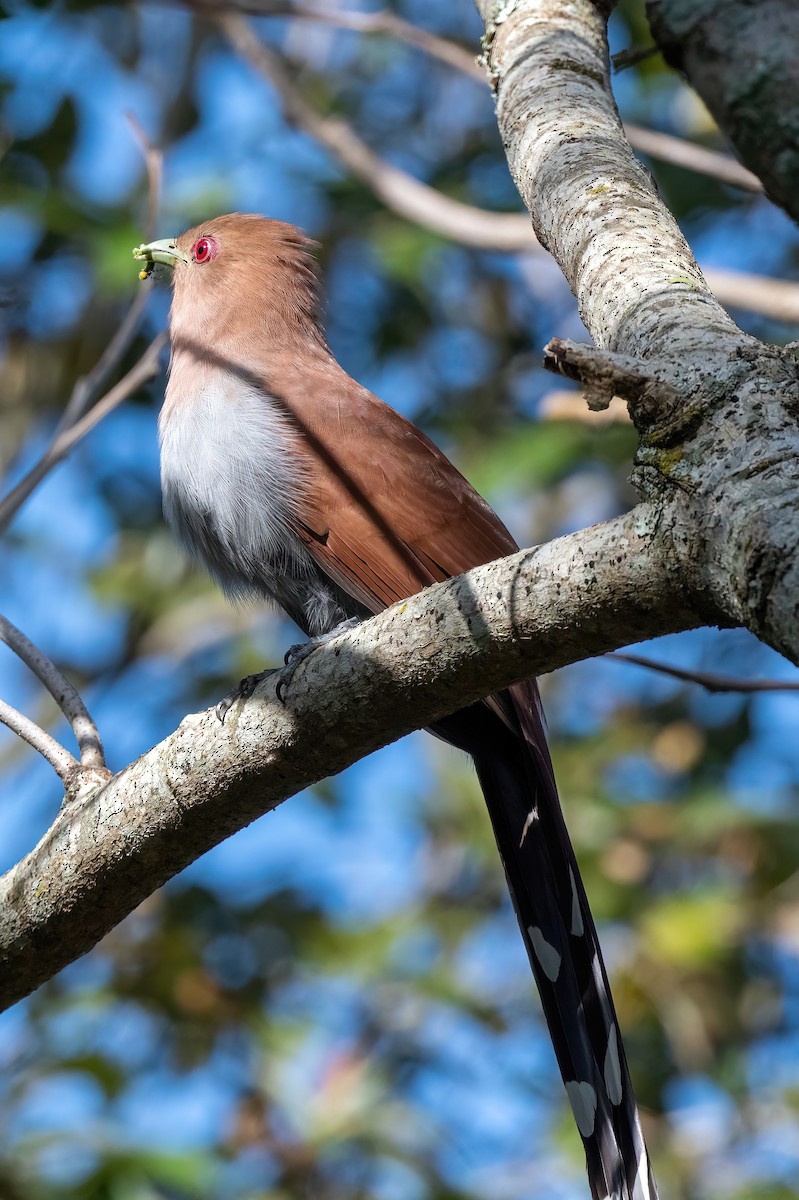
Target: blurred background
column 336, row 1003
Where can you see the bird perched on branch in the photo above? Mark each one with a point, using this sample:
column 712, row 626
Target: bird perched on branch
column 291, row 481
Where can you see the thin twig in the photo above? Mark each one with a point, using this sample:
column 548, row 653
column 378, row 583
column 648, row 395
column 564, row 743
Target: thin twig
column 663, row 146
column 62, row 691
column 699, row 159
column 465, row 223
column 88, row 386
column 154, row 162
column 382, row 22
column 707, row 679
column 399, row 191
column 631, row 57
column 59, row 759
column 144, row 369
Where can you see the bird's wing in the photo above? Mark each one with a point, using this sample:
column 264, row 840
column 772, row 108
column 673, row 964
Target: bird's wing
column 388, row 513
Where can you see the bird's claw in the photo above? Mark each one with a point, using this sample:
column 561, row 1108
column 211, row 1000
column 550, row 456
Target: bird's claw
column 293, row 658
column 242, row 691
column 296, row 655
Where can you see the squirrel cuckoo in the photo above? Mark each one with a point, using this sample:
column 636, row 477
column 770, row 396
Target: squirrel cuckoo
column 291, row 481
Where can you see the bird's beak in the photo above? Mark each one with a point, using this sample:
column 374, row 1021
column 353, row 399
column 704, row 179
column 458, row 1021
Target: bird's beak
column 166, row 252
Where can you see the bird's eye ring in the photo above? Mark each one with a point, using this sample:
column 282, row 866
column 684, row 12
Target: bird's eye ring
column 204, row 249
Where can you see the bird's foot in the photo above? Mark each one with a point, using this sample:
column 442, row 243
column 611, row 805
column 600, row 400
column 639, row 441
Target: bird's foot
column 296, row 655
column 242, row 691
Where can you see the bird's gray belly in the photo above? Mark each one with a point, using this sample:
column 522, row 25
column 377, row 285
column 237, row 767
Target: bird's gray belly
column 231, row 490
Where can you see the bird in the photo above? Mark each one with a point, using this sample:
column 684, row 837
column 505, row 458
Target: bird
column 293, row 483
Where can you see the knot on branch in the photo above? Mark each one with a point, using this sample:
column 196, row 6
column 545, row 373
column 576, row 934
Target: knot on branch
column 665, row 419
column 604, row 375
column 82, row 782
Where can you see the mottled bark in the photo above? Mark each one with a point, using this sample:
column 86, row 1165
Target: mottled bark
column 742, row 57
column 111, row 847
column 718, row 418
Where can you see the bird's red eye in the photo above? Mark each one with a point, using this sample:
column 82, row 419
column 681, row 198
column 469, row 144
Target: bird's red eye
column 204, row 249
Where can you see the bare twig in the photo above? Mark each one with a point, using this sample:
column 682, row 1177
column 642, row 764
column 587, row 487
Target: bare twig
column 383, row 22
column 663, row 146
column 62, row 691
column 144, row 369
column 88, row 386
column 632, row 56
column 154, row 162
column 707, row 679
column 605, row 375
column 59, row 759
column 465, row 223
column 699, row 159
column 75, row 422
column 776, row 298
column 399, row 191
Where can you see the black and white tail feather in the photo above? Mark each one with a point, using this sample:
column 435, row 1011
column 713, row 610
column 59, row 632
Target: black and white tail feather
column 516, row 776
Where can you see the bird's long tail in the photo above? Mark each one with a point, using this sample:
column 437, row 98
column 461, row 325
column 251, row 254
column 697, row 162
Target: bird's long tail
column 510, row 753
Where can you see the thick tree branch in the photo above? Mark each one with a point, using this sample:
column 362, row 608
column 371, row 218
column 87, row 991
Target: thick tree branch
column 742, row 59
column 542, row 608
column 718, row 423
column 638, row 287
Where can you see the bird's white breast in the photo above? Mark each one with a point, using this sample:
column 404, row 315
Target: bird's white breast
column 230, row 477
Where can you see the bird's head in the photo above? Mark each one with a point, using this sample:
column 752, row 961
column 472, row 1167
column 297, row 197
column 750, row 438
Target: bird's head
column 240, row 271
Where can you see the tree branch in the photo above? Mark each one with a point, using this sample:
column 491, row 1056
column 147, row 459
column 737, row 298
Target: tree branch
column 88, row 386
column 69, row 436
column 452, row 219
column 709, row 680
column 383, row 22
column 605, row 375
column 539, row 609
column 62, row 691
column 52, row 751
column 593, row 204
column 717, row 444
column 741, row 58
column 699, row 159
column 663, row 146
column 775, row 298
column 398, row 190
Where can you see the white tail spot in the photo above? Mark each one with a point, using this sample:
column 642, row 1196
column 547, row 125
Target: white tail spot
column 582, row 1098
column 545, row 952
column 641, row 1190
